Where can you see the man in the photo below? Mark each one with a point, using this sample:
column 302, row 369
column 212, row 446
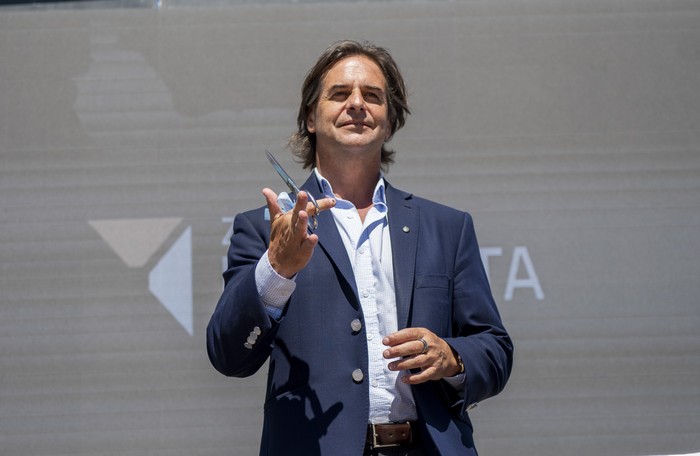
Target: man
column 379, row 325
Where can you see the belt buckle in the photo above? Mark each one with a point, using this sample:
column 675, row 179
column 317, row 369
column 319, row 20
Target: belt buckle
column 379, row 445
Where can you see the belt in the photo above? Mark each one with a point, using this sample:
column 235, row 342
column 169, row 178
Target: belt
column 389, row 435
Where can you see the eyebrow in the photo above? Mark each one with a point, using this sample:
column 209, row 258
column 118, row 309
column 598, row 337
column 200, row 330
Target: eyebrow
column 364, row 87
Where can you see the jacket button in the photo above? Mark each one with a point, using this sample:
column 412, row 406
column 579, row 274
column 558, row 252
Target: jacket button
column 357, row 375
column 356, row 325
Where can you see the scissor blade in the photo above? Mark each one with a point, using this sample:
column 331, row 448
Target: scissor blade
column 283, row 174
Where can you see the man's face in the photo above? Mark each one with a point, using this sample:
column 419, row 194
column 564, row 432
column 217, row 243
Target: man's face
column 351, row 114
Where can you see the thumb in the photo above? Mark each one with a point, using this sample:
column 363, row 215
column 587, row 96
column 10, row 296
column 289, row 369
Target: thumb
column 272, row 205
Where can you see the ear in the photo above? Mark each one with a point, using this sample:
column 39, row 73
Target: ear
column 311, row 122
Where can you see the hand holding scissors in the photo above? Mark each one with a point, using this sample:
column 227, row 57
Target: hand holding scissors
column 291, row 237
column 294, row 188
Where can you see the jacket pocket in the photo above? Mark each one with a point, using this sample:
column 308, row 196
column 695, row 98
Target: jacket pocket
column 432, row 303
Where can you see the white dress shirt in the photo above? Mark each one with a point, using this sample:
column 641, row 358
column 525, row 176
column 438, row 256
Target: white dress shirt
column 369, row 248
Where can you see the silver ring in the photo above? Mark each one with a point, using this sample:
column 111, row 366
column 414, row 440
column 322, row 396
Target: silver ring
column 425, row 346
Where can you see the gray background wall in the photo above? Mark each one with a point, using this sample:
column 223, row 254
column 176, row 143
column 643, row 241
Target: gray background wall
column 129, row 137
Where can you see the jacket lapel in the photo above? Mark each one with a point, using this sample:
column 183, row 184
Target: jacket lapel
column 329, row 239
column 403, row 227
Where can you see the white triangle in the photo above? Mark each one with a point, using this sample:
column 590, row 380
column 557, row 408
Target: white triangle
column 171, row 280
column 135, row 240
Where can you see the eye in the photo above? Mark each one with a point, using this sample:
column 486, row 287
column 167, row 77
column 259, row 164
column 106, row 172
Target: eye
column 373, row 97
column 339, row 95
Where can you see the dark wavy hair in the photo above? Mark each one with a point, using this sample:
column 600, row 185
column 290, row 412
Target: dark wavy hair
column 302, row 143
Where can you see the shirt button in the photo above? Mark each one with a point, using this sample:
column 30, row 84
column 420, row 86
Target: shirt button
column 356, row 324
column 365, row 293
column 361, row 251
column 375, row 383
column 357, row 375
column 370, row 337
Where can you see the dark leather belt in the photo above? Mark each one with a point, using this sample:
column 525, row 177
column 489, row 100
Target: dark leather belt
column 389, row 435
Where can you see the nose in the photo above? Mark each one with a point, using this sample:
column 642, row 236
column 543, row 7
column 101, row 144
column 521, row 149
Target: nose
column 356, row 100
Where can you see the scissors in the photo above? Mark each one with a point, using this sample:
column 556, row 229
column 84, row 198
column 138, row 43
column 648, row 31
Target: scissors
column 293, row 188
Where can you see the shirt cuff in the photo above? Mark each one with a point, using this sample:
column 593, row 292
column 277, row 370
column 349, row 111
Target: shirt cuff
column 274, row 290
column 456, row 382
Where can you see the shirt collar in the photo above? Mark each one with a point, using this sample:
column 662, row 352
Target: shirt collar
column 378, row 199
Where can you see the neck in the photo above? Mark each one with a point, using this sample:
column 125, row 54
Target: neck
column 352, row 180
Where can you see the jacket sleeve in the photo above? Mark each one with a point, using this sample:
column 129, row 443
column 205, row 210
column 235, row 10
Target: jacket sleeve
column 479, row 335
column 240, row 332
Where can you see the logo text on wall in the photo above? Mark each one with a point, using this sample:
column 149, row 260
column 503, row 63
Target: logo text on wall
column 137, row 241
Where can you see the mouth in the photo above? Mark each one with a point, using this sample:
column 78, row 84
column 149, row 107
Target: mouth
column 355, row 124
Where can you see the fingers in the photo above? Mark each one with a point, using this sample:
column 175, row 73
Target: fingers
column 416, row 377
column 411, row 355
column 312, row 207
column 299, row 214
column 323, row 205
column 405, row 342
column 302, row 202
column 291, row 244
column 409, row 352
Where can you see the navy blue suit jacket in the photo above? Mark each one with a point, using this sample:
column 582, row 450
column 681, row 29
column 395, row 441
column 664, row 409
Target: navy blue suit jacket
column 313, row 405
